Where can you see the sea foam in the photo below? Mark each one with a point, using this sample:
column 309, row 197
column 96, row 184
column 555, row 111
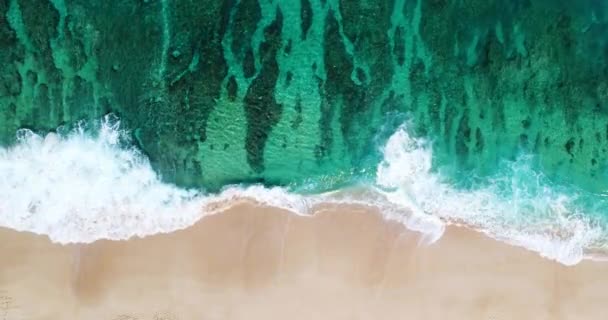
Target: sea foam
column 79, row 187
column 90, row 184
column 518, row 206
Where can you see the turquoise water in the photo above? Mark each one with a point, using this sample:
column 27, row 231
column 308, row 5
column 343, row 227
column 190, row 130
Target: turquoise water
column 510, row 98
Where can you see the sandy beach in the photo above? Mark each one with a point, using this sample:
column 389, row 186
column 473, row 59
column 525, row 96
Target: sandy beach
column 252, row 262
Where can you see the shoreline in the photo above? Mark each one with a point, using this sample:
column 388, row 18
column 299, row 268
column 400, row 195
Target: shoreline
column 255, row 262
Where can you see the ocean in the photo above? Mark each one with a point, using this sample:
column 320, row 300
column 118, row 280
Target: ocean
column 130, row 118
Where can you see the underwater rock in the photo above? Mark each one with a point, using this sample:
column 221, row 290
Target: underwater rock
column 305, row 88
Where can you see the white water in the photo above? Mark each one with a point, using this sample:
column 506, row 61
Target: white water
column 531, row 214
column 80, row 188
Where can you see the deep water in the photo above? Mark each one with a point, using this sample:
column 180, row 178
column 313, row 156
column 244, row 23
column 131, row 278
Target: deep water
column 282, row 92
column 503, row 102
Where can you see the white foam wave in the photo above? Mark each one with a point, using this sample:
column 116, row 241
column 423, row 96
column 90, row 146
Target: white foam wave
column 81, row 188
column 538, row 217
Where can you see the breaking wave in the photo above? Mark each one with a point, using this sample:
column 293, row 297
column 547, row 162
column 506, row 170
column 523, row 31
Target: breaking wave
column 81, row 186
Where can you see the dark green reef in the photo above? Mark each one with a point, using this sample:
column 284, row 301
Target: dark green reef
column 285, row 91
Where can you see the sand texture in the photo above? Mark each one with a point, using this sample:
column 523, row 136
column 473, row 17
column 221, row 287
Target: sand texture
column 253, row 262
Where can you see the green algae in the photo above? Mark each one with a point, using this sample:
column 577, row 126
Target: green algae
column 305, row 91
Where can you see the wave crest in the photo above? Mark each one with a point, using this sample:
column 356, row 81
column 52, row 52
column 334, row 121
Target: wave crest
column 82, row 186
column 519, row 206
column 89, row 183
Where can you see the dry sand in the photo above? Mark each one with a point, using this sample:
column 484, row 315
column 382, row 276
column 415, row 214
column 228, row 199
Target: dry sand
column 260, row 263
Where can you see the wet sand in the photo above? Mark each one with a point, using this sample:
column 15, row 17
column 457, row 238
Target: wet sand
column 254, row 263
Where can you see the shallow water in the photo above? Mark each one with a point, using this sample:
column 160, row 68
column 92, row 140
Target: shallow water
column 284, row 92
column 490, row 112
